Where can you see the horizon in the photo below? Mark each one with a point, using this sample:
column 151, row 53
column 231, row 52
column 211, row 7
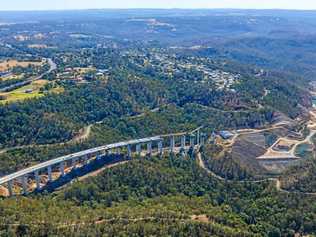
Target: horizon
column 159, row 9
column 63, row 5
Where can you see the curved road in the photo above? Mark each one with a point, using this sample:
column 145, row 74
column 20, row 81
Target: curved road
column 276, row 180
column 52, row 67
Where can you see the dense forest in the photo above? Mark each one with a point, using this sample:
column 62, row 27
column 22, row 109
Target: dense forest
column 300, row 178
column 154, row 196
column 58, row 118
column 131, row 74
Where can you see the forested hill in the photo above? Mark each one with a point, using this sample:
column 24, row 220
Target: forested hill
column 128, row 74
column 159, row 197
column 129, row 91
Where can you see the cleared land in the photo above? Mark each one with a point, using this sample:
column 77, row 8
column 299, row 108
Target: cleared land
column 273, row 148
column 12, row 77
column 7, row 65
column 30, row 91
column 37, row 46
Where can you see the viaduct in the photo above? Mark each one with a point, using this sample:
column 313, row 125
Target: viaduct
column 173, row 143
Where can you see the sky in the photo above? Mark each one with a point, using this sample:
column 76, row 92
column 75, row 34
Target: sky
column 93, row 4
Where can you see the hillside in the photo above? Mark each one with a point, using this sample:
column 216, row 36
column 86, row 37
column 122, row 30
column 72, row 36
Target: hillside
column 222, row 163
column 159, row 197
column 77, row 80
column 300, row 178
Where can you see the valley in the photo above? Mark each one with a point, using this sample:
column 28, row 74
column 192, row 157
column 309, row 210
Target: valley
column 158, row 123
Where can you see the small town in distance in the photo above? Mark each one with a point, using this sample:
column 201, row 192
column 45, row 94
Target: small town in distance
column 157, row 122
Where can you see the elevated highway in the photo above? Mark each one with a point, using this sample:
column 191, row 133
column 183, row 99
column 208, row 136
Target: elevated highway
column 176, row 142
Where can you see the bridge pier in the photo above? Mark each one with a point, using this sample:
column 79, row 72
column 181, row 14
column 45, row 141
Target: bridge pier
column 10, row 188
column 85, row 160
column 49, row 171
column 74, row 163
column 115, row 151
column 62, row 169
column 138, row 149
column 149, row 148
column 82, row 158
column 183, row 143
column 24, row 184
column 172, row 144
column 192, row 138
column 160, row 147
column 183, row 138
column 37, row 180
column 129, row 151
column 202, row 138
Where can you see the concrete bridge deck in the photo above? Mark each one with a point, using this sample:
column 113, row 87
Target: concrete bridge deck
column 23, row 176
column 58, row 160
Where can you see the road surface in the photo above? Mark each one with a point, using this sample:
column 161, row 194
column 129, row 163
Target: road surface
column 52, row 67
column 80, row 154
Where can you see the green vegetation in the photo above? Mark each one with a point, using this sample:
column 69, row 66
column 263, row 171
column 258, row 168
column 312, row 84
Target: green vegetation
column 169, row 196
column 300, row 177
column 129, row 76
column 270, row 138
column 304, row 150
column 221, row 162
column 36, row 89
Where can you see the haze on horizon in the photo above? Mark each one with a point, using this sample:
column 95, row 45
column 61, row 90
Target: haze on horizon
column 111, row 4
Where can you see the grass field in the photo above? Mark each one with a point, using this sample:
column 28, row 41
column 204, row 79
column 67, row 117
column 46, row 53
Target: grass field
column 83, row 70
column 6, row 65
column 12, row 77
column 27, row 92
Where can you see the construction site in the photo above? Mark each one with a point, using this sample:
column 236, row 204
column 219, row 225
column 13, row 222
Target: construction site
column 275, row 147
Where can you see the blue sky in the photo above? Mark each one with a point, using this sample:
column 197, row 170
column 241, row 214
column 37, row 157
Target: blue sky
column 83, row 4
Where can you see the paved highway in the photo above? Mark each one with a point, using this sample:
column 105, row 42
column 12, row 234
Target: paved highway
column 80, row 154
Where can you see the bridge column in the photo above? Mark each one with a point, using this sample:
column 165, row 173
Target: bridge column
column 85, row 159
column 160, row 147
column 183, row 152
column 49, row 171
column 149, row 148
column 198, row 137
column 109, row 152
column 118, row 151
column 202, row 138
column 99, row 155
column 183, row 142
column 129, row 151
column 172, row 144
column 74, row 163
column 24, row 184
column 10, row 188
column 138, row 149
column 192, row 138
column 37, row 180
column 62, row 168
